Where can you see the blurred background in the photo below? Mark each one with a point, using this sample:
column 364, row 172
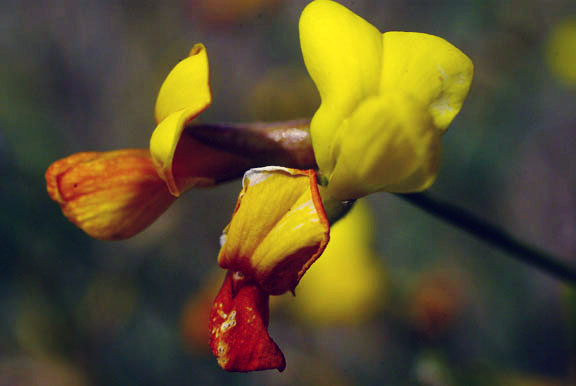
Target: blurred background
column 419, row 303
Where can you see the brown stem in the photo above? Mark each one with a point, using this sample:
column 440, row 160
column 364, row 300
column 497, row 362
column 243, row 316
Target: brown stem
column 266, row 143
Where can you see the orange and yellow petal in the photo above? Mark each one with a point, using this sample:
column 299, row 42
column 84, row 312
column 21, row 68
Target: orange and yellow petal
column 239, row 327
column 279, row 228
column 109, row 195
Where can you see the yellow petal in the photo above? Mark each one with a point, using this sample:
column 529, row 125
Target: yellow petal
column 184, row 94
column 180, row 160
column 388, row 144
column 278, row 229
column 163, row 143
column 430, row 69
column 346, row 285
column 186, row 86
column 342, row 53
column 111, row 195
column 183, row 162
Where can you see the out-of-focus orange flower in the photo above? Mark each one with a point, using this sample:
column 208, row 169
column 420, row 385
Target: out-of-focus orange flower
column 437, row 301
column 27, row 371
column 230, row 11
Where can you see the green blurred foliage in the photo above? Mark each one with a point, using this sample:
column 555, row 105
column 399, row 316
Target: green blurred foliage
column 83, row 75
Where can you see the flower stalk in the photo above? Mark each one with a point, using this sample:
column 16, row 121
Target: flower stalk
column 493, row 235
column 291, row 141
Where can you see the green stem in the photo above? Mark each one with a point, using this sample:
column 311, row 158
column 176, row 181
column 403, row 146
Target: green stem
column 493, row 235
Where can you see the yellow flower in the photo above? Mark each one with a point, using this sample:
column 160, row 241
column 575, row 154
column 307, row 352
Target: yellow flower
column 386, row 100
column 346, row 285
column 561, row 52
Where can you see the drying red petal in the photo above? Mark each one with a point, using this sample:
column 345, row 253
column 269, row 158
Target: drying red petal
column 239, row 327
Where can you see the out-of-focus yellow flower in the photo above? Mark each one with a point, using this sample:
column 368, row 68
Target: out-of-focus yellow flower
column 386, row 100
column 561, row 51
column 347, row 284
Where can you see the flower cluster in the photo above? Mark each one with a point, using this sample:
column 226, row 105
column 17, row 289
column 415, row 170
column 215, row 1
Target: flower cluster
column 387, row 98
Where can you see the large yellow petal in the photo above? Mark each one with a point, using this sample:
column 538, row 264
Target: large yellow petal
column 430, row 69
column 388, row 144
column 186, row 86
column 342, row 53
column 278, row 229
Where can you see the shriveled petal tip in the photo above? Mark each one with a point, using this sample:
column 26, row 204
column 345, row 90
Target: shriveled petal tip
column 109, row 195
column 342, row 53
column 279, row 228
column 387, row 144
column 187, row 86
column 238, row 327
column 430, row 69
